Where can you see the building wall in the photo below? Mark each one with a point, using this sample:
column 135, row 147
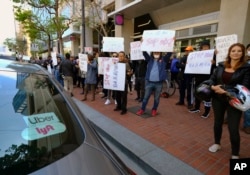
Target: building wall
column 183, row 10
column 234, row 19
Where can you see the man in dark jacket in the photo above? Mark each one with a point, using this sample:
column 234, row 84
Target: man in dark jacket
column 185, row 80
column 67, row 71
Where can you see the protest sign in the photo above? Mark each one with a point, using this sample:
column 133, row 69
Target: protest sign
column 158, row 40
column 83, row 62
column 88, row 50
column 114, row 76
column 54, row 58
column 113, row 44
column 199, row 62
column 222, row 45
column 135, row 51
column 108, row 60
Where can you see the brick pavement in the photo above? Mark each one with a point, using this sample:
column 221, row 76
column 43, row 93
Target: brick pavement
column 184, row 135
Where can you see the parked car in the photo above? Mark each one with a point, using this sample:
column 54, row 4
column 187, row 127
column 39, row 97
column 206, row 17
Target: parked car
column 42, row 131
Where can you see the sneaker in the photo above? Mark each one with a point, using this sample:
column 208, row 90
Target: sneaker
column 115, row 102
column 205, row 115
column 154, row 113
column 140, row 112
column 235, row 157
column 194, row 110
column 214, row 148
column 107, row 102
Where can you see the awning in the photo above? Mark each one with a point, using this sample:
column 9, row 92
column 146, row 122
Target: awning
column 140, row 7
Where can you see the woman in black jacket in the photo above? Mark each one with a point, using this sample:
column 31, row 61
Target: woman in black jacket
column 227, row 75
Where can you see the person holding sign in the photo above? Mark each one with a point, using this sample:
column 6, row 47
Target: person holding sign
column 199, row 78
column 121, row 96
column 234, row 70
column 91, row 78
column 155, row 75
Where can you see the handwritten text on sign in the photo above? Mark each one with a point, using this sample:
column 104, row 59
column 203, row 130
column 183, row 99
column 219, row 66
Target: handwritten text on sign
column 114, row 76
column 158, row 40
column 83, row 61
column 199, row 62
column 108, row 60
column 135, row 51
column 222, row 45
column 113, row 44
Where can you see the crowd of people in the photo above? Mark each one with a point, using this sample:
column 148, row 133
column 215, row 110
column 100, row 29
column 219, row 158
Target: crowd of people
column 149, row 74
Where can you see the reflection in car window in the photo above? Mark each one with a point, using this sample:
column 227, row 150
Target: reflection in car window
column 36, row 124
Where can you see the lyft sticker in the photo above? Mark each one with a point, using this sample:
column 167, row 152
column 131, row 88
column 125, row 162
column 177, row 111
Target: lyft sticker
column 40, row 131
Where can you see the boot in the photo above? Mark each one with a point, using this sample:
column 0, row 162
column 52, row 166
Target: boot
column 85, row 94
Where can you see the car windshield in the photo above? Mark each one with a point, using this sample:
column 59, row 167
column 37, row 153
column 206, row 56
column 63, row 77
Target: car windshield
column 37, row 126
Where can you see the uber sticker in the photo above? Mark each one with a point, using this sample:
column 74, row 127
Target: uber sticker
column 38, row 119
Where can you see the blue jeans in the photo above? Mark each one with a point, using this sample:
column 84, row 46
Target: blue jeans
column 246, row 121
column 150, row 87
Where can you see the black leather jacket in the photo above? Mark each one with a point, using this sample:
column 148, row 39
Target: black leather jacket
column 240, row 76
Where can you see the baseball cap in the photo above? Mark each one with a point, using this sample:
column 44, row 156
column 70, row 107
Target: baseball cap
column 189, row 48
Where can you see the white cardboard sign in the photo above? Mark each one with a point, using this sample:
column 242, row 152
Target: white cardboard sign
column 113, row 44
column 114, row 76
column 158, row 40
column 199, row 62
column 83, row 62
column 222, row 45
column 135, row 51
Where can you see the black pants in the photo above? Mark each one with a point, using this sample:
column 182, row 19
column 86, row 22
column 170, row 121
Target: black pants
column 140, row 87
column 121, row 99
column 185, row 86
column 220, row 106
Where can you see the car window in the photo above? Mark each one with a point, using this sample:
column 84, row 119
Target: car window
column 37, row 126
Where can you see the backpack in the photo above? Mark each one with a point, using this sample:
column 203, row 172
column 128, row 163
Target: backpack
column 173, row 67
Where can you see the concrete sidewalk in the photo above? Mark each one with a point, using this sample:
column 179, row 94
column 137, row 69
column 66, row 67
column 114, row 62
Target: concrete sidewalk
column 146, row 155
column 174, row 142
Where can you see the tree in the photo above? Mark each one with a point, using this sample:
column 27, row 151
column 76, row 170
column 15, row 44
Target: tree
column 42, row 20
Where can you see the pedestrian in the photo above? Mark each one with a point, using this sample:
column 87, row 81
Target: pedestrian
column 199, row 78
column 91, row 78
column 67, row 71
column 155, row 75
column 140, row 67
column 246, row 115
column 234, row 70
column 185, row 80
column 57, row 74
column 174, row 70
column 121, row 96
column 48, row 64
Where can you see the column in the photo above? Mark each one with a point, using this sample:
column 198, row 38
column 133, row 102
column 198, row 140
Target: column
column 235, row 19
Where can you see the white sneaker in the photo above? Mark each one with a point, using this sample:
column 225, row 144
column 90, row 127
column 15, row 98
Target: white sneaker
column 235, row 157
column 107, row 102
column 214, row 148
column 115, row 102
